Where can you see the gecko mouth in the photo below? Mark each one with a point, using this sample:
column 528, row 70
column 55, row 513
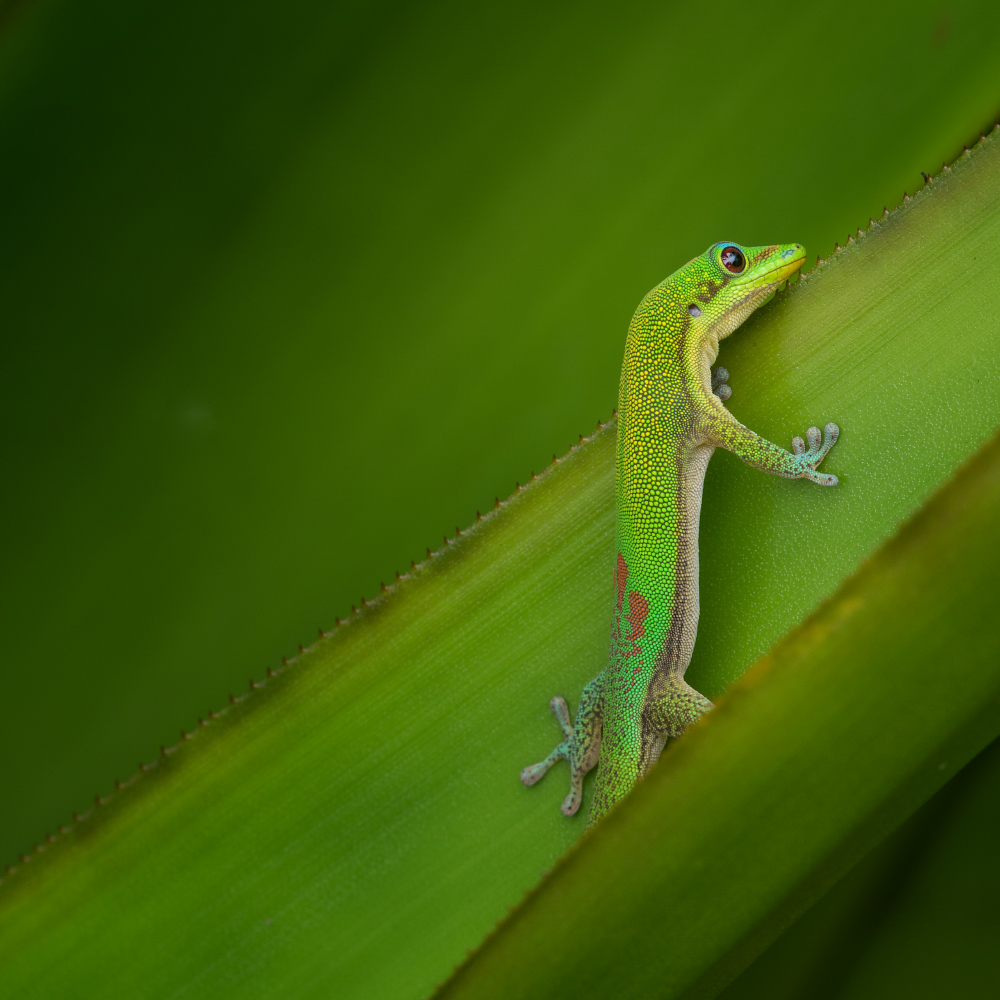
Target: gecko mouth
column 778, row 273
column 762, row 285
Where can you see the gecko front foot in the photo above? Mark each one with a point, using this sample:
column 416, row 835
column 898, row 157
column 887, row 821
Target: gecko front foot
column 819, row 447
column 580, row 748
column 719, row 379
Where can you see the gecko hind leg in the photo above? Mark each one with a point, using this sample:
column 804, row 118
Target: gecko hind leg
column 678, row 706
column 580, row 748
column 719, row 379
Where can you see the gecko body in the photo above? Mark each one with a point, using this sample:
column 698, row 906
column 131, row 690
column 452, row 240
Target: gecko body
column 671, row 418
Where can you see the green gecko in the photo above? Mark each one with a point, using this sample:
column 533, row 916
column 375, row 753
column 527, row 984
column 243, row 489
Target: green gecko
column 671, row 418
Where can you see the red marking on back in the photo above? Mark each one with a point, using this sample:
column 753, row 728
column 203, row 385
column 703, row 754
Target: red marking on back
column 621, row 575
column 638, row 612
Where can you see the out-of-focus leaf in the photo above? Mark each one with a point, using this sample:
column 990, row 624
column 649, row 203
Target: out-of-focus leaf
column 819, row 952
column 940, row 937
column 358, row 825
column 288, row 290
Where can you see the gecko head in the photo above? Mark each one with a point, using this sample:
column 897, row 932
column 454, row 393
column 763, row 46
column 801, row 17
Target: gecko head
column 730, row 281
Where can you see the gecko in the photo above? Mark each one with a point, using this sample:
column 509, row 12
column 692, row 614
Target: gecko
column 671, row 418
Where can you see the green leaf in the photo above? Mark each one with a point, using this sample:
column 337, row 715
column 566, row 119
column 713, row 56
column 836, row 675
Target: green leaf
column 916, row 918
column 825, row 746
column 290, row 289
column 937, row 937
column 357, row 825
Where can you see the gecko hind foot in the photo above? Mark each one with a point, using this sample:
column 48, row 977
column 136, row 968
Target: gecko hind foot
column 819, row 446
column 719, row 379
column 580, row 748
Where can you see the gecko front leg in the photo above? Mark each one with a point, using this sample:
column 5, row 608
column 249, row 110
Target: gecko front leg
column 582, row 745
column 721, row 429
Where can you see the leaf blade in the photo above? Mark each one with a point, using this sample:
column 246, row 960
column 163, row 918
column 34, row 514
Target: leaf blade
column 867, row 671
column 514, row 220
column 353, row 803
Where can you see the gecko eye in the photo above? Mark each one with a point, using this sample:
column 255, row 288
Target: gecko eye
column 733, row 259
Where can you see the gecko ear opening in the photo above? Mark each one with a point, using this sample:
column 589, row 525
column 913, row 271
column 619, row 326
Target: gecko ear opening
column 694, row 310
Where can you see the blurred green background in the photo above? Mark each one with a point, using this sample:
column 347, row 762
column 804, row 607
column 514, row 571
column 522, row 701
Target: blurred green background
column 917, row 918
column 288, row 291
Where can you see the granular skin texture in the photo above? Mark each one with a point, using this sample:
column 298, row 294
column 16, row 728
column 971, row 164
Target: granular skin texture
column 671, row 417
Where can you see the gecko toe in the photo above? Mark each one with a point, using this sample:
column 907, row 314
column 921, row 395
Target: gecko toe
column 561, row 711
column 720, row 376
column 830, row 434
column 533, row 773
column 572, row 801
column 823, row 479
